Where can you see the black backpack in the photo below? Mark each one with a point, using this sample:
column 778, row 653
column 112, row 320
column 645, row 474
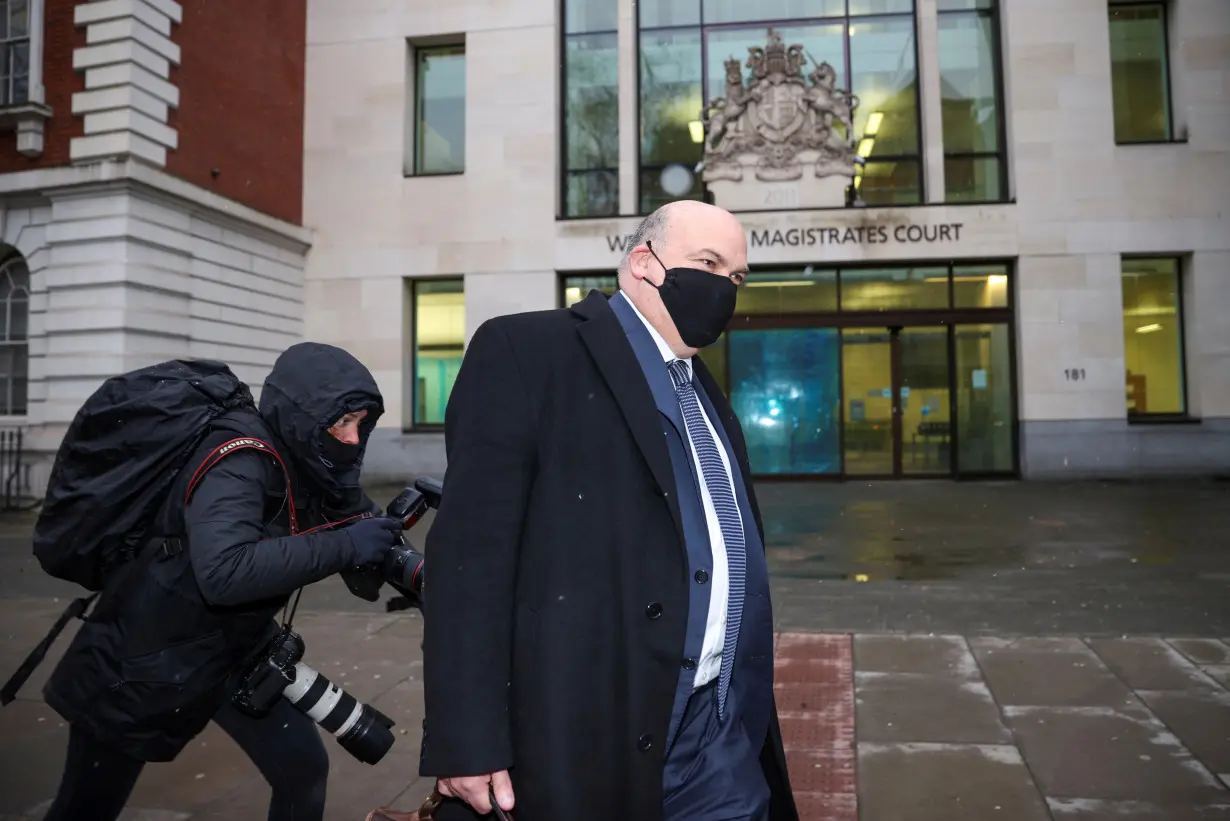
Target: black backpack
column 119, row 459
column 115, row 470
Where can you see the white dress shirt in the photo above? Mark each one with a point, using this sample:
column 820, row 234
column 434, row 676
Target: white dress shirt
column 710, row 661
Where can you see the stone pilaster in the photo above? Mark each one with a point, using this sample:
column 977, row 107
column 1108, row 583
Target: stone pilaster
column 127, row 63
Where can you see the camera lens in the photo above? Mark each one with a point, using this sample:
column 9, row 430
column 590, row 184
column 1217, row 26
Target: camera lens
column 369, row 736
column 362, row 730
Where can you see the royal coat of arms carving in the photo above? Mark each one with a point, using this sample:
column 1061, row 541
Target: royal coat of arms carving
column 782, row 126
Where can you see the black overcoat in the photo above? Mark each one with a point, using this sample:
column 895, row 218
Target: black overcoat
column 557, row 577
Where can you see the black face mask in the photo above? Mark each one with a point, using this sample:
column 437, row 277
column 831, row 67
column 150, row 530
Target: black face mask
column 700, row 302
column 337, row 455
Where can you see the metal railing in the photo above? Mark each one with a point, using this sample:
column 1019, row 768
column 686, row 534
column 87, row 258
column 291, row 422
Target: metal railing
column 14, row 471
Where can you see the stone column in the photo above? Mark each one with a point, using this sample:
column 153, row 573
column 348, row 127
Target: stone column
column 628, row 127
column 931, row 114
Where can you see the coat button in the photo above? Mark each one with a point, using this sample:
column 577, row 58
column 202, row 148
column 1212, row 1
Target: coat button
column 653, row 610
column 688, row 664
column 701, row 577
column 644, row 742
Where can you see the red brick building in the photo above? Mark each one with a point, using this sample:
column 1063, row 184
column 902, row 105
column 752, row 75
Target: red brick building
column 151, row 178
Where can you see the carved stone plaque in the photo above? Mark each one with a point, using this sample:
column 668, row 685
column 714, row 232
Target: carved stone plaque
column 781, row 140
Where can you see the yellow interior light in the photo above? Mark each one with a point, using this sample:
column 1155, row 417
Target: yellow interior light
column 864, row 146
column 697, row 129
column 873, row 123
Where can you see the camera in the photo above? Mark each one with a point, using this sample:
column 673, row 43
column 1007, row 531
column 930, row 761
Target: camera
column 279, row 672
column 403, row 568
column 362, row 730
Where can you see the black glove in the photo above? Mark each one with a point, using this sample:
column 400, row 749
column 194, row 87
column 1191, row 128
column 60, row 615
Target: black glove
column 372, row 538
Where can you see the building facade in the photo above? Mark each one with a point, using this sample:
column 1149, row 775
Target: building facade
column 150, row 198
column 1029, row 274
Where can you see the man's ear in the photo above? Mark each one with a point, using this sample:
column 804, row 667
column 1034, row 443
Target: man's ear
column 638, row 261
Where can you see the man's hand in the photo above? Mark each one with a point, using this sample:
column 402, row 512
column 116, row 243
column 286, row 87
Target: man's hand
column 474, row 790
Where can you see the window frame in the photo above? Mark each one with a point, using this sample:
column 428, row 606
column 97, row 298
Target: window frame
column 14, row 259
column 417, row 52
column 1172, row 131
column 1000, row 155
column 848, row 20
column 1165, row 417
column 7, row 47
column 410, row 423
column 565, row 173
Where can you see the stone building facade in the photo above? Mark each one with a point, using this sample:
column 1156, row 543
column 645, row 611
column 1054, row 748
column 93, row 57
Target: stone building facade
column 150, row 198
column 1061, row 167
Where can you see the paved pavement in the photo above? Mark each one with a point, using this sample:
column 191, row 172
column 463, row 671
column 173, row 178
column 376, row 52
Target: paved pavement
column 946, row 651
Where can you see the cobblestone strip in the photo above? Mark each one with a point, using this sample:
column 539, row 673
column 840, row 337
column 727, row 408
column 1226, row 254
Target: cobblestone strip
column 814, row 687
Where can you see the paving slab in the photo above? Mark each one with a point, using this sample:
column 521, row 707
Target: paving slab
column 1203, row 652
column 1114, row 754
column 127, row 814
column 946, row 782
column 1149, row 664
column 1219, row 673
column 32, row 755
column 1201, row 720
column 937, row 655
column 1047, row 671
column 1084, row 809
column 909, row 707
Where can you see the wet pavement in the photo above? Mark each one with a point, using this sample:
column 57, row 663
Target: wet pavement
column 947, row 651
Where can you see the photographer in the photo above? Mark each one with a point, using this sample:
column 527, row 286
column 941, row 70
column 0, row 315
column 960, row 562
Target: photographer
column 174, row 628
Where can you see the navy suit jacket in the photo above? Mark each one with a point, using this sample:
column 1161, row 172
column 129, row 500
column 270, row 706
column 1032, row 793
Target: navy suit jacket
column 751, row 686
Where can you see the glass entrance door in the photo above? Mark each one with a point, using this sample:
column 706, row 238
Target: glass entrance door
column 896, row 401
column 868, row 407
column 925, row 401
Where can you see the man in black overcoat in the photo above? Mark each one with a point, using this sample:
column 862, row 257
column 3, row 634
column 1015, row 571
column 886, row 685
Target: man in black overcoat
column 598, row 630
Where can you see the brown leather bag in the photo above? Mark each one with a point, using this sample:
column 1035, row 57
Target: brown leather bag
column 426, row 811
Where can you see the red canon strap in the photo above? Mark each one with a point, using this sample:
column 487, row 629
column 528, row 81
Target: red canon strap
column 246, row 443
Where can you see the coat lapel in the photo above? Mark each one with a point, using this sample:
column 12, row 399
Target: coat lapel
column 604, row 337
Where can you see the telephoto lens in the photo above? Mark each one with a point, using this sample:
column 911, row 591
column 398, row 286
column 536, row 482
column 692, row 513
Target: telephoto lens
column 362, row 730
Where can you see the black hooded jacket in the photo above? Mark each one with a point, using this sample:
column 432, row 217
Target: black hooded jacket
column 162, row 650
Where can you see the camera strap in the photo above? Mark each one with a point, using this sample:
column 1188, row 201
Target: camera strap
column 75, row 610
column 288, row 612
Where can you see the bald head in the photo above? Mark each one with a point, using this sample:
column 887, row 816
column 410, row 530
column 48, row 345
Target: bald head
column 688, row 216
column 682, row 234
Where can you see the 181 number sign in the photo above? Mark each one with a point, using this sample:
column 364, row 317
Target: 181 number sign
column 1074, row 374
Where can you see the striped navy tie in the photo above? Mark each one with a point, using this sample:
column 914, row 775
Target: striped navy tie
column 722, row 494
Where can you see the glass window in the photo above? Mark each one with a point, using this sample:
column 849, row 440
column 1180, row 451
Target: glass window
column 577, row 288
column 894, row 288
column 763, row 11
column 784, row 388
column 788, row 292
column 671, row 101
column 980, row 286
column 1139, row 71
column 439, row 342
column 1153, row 336
column 683, row 66
column 984, row 398
column 14, row 344
column 964, row 5
column 889, row 183
column 969, row 82
column 440, row 110
column 860, row 7
column 589, row 16
column 14, row 51
column 886, row 84
column 591, row 109
column 667, row 13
